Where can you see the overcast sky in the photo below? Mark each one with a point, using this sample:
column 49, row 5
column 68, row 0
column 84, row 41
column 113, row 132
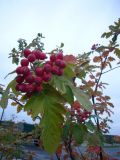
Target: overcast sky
column 76, row 23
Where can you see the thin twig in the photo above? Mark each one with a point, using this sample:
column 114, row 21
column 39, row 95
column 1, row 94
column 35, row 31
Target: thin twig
column 110, row 70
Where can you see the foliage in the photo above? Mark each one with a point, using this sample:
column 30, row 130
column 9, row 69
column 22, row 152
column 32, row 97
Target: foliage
column 71, row 103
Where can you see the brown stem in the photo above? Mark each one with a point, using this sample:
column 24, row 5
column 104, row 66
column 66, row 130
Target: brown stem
column 93, row 101
column 70, row 148
column 110, row 69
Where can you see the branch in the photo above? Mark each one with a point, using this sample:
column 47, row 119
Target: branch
column 110, row 69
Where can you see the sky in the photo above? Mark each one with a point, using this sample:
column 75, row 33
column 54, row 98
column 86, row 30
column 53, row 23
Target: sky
column 76, row 23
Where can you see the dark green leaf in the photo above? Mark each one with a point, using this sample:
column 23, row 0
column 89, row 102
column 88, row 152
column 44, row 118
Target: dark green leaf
column 69, row 95
column 79, row 131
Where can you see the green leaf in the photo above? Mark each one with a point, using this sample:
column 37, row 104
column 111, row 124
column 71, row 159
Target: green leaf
column 49, row 103
column 34, row 105
column 66, row 130
column 90, row 126
column 68, row 71
column 117, row 52
column 79, row 131
column 69, row 95
column 59, row 83
column 5, row 95
column 82, row 98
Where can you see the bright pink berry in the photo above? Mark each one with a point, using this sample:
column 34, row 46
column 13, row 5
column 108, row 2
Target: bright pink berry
column 30, row 79
column 19, row 79
column 52, row 57
column 26, row 53
column 47, row 77
column 31, row 58
column 39, row 71
column 47, row 68
column 42, row 56
column 59, row 56
column 38, row 80
column 24, row 62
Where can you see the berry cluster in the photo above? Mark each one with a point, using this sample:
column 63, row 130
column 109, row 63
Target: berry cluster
column 78, row 112
column 31, row 77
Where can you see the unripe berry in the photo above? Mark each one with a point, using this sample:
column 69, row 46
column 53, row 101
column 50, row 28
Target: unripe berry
column 47, row 77
column 42, row 56
column 26, row 53
column 19, row 79
column 30, row 78
column 39, row 71
column 38, row 80
column 31, row 58
column 59, row 56
column 52, row 57
column 47, row 68
column 24, row 62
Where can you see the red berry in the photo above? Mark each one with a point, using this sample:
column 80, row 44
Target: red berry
column 38, row 88
column 37, row 54
column 19, row 79
column 24, row 62
column 60, row 72
column 39, row 71
column 52, row 57
column 26, row 52
column 17, row 87
column 62, row 65
column 22, row 87
column 46, row 77
column 31, row 58
column 55, row 70
column 29, row 94
column 25, row 71
column 59, row 56
column 47, row 68
column 58, row 62
column 30, row 78
column 49, row 62
column 38, row 80
column 19, row 70
column 42, row 56
column 30, row 88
